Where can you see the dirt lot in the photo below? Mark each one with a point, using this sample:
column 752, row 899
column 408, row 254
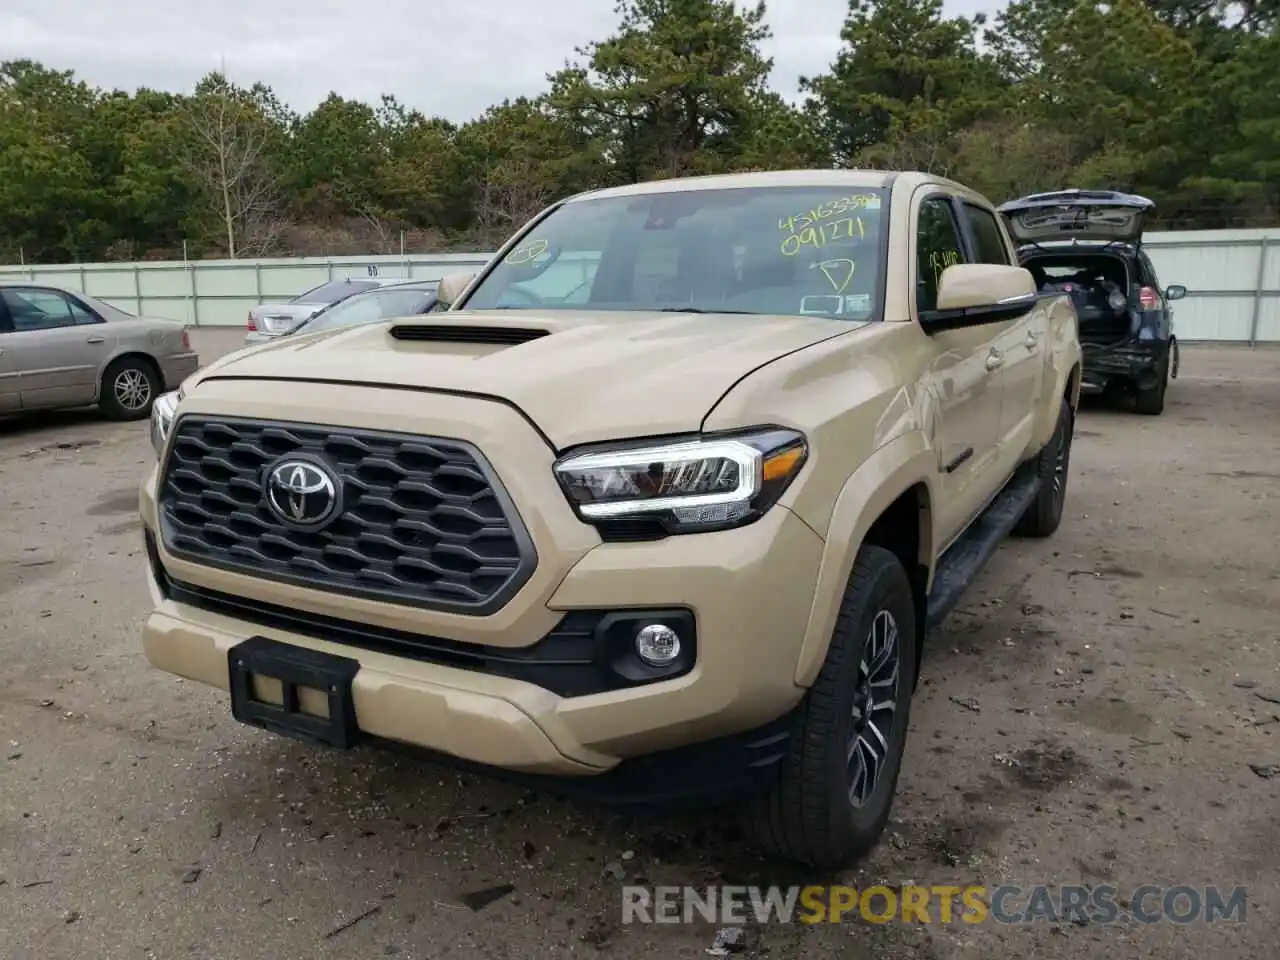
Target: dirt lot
column 1089, row 716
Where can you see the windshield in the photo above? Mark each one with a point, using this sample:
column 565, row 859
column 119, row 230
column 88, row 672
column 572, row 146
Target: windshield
column 372, row 306
column 332, row 291
column 769, row 250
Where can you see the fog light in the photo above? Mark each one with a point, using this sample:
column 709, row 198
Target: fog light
column 657, row 644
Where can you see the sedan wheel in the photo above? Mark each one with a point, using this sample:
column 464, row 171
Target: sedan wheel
column 132, row 389
column 129, row 388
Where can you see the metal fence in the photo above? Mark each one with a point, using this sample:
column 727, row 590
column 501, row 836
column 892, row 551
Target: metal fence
column 1232, row 278
column 214, row 293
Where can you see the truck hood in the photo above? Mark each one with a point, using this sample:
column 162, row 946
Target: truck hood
column 580, row 376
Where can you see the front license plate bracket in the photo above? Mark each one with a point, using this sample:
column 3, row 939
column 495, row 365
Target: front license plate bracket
column 294, row 668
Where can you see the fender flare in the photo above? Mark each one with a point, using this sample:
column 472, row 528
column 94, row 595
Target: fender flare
column 886, row 475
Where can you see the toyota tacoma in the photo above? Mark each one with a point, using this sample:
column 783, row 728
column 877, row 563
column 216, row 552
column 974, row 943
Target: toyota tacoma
column 659, row 507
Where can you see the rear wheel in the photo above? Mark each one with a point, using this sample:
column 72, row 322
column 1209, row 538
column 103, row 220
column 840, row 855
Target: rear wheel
column 129, row 388
column 837, row 785
column 1052, row 465
column 1150, row 402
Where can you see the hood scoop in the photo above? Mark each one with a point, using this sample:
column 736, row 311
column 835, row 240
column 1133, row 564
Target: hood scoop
column 465, row 333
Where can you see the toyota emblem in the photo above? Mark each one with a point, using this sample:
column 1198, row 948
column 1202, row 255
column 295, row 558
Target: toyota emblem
column 302, row 493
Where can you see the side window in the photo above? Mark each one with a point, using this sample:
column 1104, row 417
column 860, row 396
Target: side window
column 937, row 247
column 986, row 235
column 32, row 309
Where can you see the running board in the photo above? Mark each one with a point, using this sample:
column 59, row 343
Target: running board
column 962, row 563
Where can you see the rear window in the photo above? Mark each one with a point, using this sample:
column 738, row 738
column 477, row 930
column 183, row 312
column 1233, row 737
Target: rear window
column 333, row 291
column 987, row 236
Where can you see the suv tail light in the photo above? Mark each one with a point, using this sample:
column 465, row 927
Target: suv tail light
column 253, row 324
column 186, row 339
column 1149, row 298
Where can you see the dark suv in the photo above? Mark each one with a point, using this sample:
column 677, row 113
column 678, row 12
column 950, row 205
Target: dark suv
column 1088, row 243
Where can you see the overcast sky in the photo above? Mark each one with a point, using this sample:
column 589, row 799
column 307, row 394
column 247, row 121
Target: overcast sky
column 450, row 58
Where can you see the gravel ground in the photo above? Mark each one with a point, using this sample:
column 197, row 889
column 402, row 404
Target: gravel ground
column 1090, row 715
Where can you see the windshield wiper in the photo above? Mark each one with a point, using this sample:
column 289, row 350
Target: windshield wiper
column 744, row 313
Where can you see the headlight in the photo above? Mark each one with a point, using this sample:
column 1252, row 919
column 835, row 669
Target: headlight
column 162, row 412
column 684, row 486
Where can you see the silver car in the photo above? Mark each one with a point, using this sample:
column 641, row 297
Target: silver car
column 61, row 348
column 400, row 298
column 270, row 320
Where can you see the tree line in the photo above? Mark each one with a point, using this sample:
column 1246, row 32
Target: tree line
column 1176, row 99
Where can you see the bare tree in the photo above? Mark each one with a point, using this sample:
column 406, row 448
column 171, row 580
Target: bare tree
column 510, row 195
column 384, row 233
column 227, row 158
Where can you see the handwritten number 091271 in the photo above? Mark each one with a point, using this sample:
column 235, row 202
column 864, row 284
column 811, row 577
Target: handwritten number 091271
column 821, row 234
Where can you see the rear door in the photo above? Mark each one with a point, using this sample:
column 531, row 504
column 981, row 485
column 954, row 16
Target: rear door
column 1105, row 215
column 59, row 346
column 9, row 397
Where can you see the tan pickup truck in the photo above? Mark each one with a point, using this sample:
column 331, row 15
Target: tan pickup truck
column 659, row 508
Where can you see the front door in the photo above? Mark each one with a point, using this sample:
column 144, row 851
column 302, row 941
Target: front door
column 58, row 347
column 1020, row 343
column 963, row 377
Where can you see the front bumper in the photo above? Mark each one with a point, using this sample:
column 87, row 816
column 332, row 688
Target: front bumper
column 750, row 592
column 1132, row 362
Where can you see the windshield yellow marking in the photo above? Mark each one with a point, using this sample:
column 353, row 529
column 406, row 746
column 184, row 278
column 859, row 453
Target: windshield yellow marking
column 824, row 233
column 839, row 272
column 825, row 211
column 527, row 253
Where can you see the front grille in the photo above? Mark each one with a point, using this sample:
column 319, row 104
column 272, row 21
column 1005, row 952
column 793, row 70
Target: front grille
column 424, row 521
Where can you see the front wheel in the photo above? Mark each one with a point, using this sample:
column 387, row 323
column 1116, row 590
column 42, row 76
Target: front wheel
column 838, row 780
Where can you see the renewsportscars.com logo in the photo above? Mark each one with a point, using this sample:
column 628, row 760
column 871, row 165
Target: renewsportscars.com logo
column 1006, row 904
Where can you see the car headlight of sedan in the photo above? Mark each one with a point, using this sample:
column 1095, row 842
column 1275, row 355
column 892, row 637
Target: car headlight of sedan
column 684, row 486
column 162, row 411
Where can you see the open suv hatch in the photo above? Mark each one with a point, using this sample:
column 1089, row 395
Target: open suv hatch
column 1088, row 245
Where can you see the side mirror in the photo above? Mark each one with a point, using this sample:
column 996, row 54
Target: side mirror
column 972, row 294
column 1175, row 291
column 451, row 287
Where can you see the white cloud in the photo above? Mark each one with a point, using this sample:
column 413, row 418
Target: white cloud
column 450, row 58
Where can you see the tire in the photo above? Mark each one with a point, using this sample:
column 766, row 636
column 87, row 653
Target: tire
column 1151, row 402
column 129, row 388
column 809, row 816
column 1053, row 466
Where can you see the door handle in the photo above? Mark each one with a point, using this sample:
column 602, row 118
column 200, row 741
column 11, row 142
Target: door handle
column 95, row 340
column 994, row 359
